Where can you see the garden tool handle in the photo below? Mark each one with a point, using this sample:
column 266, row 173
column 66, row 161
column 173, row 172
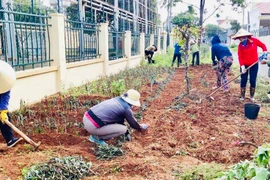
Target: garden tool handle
column 232, row 79
column 22, row 134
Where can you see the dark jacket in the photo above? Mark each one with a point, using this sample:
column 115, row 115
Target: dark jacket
column 219, row 50
column 4, row 100
column 112, row 111
column 177, row 48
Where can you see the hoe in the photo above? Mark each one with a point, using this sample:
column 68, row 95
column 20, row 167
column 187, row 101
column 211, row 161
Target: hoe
column 210, row 95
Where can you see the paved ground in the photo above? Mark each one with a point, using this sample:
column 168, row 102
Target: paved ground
column 263, row 69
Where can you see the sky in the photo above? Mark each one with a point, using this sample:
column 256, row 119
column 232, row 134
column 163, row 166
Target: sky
column 210, row 5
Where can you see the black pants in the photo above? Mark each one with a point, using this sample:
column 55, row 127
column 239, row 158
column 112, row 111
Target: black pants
column 149, row 57
column 197, row 55
column 6, row 131
column 178, row 56
column 253, row 71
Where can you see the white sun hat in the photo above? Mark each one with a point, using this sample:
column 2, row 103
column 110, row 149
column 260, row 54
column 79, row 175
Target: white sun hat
column 132, row 97
column 7, row 77
column 242, row 33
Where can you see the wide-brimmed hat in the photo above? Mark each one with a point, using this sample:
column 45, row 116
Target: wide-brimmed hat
column 241, row 33
column 7, row 77
column 132, row 97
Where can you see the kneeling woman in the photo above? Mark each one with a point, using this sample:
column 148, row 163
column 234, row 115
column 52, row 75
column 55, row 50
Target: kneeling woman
column 106, row 119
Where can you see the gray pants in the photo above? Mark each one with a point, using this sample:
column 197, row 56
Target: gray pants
column 105, row 132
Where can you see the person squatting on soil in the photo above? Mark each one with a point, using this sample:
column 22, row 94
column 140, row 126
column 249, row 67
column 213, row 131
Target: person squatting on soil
column 247, row 55
column 106, row 119
column 195, row 53
column 224, row 56
column 149, row 52
column 5, row 87
column 177, row 54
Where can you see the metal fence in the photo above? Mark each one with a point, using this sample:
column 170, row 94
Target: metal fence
column 147, row 40
column 24, row 38
column 81, row 41
column 261, row 32
column 116, row 45
column 135, row 44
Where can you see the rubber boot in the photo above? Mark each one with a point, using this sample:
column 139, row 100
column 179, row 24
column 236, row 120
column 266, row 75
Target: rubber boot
column 252, row 92
column 243, row 92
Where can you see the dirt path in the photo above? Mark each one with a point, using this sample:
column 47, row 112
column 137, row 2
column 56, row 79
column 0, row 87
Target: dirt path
column 187, row 133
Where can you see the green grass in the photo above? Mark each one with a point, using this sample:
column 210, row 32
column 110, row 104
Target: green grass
column 202, row 171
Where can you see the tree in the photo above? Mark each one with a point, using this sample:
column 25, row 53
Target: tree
column 186, row 28
column 235, row 26
column 212, row 30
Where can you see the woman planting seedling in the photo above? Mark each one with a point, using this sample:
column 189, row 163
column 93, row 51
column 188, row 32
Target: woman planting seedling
column 106, row 119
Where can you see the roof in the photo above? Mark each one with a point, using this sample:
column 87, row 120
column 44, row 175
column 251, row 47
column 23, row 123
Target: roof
column 220, row 21
column 262, row 7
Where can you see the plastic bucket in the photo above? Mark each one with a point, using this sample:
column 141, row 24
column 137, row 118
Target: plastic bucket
column 251, row 110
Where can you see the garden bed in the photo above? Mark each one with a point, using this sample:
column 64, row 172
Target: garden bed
column 185, row 131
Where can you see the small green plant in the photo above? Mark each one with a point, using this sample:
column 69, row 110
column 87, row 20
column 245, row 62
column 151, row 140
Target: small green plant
column 118, row 87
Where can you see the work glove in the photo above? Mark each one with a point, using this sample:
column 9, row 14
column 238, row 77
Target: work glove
column 3, row 116
column 144, row 126
column 263, row 56
column 243, row 69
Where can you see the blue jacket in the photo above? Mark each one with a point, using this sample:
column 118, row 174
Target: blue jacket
column 4, row 100
column 219, row 50
column 177, row 48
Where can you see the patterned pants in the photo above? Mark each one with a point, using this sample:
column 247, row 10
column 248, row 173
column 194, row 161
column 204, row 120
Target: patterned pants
column 223, row 69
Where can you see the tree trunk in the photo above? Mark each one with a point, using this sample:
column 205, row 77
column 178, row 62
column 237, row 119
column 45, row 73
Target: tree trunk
column 202, row 4
column 186, row 58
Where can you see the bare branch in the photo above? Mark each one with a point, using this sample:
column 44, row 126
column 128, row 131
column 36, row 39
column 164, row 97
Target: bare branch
column 221, row 4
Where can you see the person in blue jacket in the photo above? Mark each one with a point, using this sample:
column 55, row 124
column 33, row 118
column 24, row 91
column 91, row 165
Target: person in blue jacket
column 4, row 116
column 222, row 59
column 177, row 54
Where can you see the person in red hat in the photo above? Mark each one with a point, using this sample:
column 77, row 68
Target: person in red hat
column 248, row 55
column 7, row 79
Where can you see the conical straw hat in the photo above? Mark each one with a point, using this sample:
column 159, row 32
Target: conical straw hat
column 241, row 33
column 7, row 77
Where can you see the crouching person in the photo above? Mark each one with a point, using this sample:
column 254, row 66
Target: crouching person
column 106, row 119
column 7, row 81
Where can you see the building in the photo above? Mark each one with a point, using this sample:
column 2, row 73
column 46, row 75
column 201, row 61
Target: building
column 225, row 25
column 259, row 17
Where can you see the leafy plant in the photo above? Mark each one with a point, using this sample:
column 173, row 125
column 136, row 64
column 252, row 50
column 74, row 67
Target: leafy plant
column 118, row 87
column 59, row 168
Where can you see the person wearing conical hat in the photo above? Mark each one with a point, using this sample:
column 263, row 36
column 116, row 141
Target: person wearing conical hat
column 106, row 119
column 247, row 55
column 7, row 80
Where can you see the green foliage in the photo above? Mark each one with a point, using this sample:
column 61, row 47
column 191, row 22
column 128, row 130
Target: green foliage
column 118, row 87
column 108, row 152
column 211, row 30
column 202, row 171
column 235, row 26
column 59, row 168
column 256, row 169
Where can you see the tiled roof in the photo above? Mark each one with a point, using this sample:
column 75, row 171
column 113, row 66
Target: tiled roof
column 263, row 7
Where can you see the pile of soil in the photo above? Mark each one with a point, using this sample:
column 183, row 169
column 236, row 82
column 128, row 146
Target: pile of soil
column 184, row 129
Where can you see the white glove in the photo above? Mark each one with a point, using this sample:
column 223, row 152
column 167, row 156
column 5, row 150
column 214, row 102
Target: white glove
column 243, row 69
column 144, row 126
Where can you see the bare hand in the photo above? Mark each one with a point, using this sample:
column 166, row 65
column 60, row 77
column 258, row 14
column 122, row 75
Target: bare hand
column 263, row 62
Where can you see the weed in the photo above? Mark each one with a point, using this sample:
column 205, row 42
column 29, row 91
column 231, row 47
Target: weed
column 108, row 152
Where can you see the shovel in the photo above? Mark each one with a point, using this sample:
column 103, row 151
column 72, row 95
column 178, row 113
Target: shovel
column 210, row 95
column 36, row 145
